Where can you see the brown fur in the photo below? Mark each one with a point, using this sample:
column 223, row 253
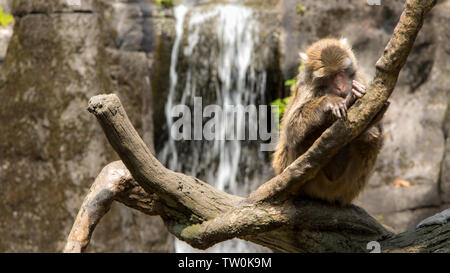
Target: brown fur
column 306, row 118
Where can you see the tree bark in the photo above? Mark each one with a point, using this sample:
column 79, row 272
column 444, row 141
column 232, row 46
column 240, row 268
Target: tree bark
column 271, row 216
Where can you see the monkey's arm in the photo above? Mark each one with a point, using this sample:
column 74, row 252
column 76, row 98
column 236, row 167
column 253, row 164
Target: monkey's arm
column 300, row 122
column 309, row 120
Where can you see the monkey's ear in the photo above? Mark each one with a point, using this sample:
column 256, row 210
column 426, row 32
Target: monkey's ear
column 347, row 62
column 303, row 57
column 320, row 73
column 344, row 42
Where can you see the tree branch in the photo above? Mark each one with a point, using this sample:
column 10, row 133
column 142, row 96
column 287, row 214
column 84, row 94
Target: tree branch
column 114, row 183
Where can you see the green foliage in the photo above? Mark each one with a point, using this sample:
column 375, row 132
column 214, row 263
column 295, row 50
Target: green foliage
column 282, row 104
column 164, row 3
column 300, row 67
column 290, row 82
column 5, row 18
column 300, row 9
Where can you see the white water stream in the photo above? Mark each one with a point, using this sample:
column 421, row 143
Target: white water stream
column 213, row 58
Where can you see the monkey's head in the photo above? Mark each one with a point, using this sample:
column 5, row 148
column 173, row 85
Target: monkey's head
column 330, row 66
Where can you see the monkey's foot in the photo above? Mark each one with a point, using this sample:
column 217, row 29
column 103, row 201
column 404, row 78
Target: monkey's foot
column 437, row 219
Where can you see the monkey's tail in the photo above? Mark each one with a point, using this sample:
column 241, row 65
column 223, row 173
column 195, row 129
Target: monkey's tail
column 280, row 158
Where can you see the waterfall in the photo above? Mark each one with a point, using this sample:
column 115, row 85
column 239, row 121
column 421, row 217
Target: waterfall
column 217, row 55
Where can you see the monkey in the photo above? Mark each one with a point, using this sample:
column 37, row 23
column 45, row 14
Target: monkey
column 327, row 85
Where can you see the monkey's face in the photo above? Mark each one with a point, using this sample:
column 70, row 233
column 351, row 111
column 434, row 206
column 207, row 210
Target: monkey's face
column 340, row 84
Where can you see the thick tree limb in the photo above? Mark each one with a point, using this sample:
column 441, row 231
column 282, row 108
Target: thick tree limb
column 201, row 215
column 186, row 203
column 114, row 183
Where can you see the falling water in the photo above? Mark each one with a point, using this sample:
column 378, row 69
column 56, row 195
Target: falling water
column 214, row 57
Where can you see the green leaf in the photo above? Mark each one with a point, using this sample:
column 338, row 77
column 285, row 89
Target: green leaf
column 300, row 9
column 5, row 18
column 286, row 100
column 290, row 82
column 164, row 3
column 282, row 104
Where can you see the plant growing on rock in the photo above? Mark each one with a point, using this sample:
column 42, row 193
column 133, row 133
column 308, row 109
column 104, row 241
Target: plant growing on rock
column 164, row 3
column 5, row 18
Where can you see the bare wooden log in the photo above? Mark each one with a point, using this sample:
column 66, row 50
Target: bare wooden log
column 114, row 183
column 187, row 209
column 176, row 189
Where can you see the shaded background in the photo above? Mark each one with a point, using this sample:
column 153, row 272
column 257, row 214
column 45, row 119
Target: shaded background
column 58, row 56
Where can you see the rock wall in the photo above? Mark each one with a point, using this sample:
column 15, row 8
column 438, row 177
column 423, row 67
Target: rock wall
column 51, row 148
column 416, row 125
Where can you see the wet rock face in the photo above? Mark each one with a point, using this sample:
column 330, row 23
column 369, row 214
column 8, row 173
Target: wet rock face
column 416, row 125
column 51, row 148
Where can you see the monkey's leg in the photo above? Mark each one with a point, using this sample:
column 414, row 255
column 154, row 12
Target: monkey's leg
column 437, row 219
column 114, row 183
column 338, row 164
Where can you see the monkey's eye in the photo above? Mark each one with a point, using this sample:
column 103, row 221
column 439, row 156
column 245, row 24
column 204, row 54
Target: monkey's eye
column 350, row 72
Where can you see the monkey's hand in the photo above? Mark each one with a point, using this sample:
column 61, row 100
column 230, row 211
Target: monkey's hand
column 338, row 107
column 358, row 91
